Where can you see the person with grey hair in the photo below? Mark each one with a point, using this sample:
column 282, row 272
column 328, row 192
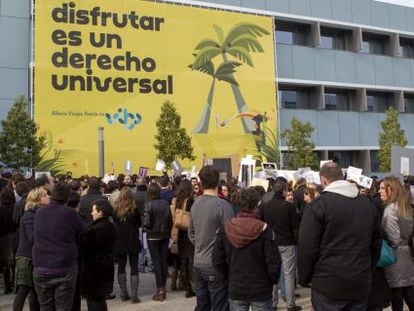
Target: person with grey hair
column 339, row 244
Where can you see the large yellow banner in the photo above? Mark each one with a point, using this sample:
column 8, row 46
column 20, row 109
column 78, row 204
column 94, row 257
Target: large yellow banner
column 113, row 64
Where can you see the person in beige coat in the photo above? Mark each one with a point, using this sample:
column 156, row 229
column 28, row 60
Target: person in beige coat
column 397, row 224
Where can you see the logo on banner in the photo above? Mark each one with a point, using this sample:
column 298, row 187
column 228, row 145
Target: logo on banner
column 127, row 119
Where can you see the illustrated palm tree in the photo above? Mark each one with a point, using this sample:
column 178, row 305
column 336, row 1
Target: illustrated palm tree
column 239, row 42
column 224, row 72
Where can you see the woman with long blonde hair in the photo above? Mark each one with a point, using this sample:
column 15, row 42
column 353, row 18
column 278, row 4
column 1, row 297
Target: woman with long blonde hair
column 128, row 220
column 24, row 281
column 397, row 223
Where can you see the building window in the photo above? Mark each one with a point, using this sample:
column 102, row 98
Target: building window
column 295, row 98
column 374, row 44
column 292, row 33
column 374, row 160
column 337, row 100
column 407, row 47
column 409, row 103
column 333, row 39
column 378, row 102
column 343, row 158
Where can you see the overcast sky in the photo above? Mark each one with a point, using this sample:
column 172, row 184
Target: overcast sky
column 401, row 2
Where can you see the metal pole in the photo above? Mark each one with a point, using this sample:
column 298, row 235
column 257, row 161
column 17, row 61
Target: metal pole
column 32, row 60
column 278, row 99
column 101, row 151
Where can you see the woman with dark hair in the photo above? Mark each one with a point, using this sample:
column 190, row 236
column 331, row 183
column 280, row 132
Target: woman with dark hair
column 397, row 223
column 224, row 192
column 97, row 267
column 128, row 221
column 197, row 190
column 158, row 224
column 184, row 200
column 7, row 236
column 24, row 267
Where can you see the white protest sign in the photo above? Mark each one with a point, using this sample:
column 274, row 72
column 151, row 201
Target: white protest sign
column 297, row 175
column 323, row 162
column 38, row 174
column 260, row 174
column 405, row 166
column 160, row 165
column 303, row 170
column 286, row 174
column 364, row 181
column 309, row 177
column 260, row 182
column 246, row 171
column 353, row 173
column 106, row 179
column 316, row 178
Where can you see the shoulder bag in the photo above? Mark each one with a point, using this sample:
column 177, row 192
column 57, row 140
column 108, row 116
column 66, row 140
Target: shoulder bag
column 387, row 257
column 182, row 217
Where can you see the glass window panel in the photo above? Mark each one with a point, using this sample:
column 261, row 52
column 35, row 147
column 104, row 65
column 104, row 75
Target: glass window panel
column 284, row 37
column 409, row 104
column 407, row 47
column 295, row 99
column 338, row 101
column 374, row 44
column 289, row 99
column 326, row 42
column 378, row 103
column 331, row 102
column 374, row 161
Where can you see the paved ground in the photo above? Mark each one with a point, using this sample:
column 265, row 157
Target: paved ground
column 175, row 300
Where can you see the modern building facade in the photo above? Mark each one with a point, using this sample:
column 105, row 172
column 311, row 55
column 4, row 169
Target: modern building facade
column 340, row 65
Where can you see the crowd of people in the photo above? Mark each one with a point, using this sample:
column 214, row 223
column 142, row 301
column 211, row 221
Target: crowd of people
column 232, row 247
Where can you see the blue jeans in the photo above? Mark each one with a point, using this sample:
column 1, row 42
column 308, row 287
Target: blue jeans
column 211, row 289
column 322, row 303
column 238, row 305
column 56, row 292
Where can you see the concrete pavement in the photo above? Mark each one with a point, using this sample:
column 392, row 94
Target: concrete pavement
column 175, row 300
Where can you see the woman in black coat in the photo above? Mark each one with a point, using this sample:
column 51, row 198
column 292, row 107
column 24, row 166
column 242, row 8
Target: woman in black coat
column 8, row 230
column 158, row 224
column 185, row 200
column 128, row 220
column 97, row 268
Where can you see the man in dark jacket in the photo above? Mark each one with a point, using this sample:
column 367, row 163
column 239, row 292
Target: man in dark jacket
column 339, row 244
column 85, row 204
column 57, row 229
column 166, row 192
column 246, row 253
column 139, row 195
column 283, row 219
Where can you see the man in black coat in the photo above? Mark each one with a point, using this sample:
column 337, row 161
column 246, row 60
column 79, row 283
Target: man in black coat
column 85, row 204
column 139, row 195
column 97, row 267
column 339, row 244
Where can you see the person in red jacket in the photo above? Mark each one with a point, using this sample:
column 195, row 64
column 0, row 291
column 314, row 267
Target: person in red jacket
column 245, row 252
